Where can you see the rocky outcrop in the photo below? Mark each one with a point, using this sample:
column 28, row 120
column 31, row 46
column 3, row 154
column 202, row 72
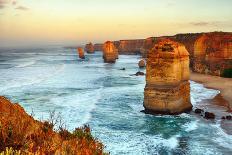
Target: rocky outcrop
column 110, row 53
column 130, row 46
column 98, row 47
column 142, row 63
column 89, row 48
column 167, row 88
column 81, row 53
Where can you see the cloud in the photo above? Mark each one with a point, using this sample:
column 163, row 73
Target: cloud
column 3, row 3
column 23, row 8
column 215, row 23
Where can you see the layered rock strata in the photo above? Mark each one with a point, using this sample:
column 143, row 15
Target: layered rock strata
column 110, row 53
column 81, row 53
column 89, row 48
column 130, row 46
column 98, row 47
column 167, row 88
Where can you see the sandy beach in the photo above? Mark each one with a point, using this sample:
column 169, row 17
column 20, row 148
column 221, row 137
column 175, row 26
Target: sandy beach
column 224, row 85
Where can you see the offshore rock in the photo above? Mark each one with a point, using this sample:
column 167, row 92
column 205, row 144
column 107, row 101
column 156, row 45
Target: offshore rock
column 110, row 53
column 167, row 88
column 81, row 53
column 142, row 63
column 89, row 48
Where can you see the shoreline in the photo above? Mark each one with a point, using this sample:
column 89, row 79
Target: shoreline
column 224, row 85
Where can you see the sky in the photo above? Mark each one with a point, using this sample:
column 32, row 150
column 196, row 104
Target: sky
column 72, row 22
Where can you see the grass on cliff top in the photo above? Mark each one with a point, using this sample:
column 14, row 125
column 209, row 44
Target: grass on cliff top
column 21, row 134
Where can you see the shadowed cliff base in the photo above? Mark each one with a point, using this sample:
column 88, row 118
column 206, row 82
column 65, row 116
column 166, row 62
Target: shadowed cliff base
column 20, row 132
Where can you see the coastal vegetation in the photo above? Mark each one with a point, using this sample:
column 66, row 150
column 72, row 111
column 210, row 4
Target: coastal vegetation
column 20, row 134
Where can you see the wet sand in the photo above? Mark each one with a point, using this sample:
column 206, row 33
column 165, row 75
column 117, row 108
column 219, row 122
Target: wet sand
column 224, row 85
column 220, row 105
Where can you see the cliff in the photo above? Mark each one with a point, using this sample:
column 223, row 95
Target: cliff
column 21, row 132
column 110, row 53
column 210, row 53
column 98, row 47
column 130, row 46
column 167, row 89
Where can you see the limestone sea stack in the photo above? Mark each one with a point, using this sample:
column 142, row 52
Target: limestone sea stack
column 81, row 53
column 142, row 63
column 167, row 89
column 89, row 48
column 110, row 53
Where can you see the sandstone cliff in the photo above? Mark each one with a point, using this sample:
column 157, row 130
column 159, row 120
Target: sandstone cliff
column 130, row 46
column 110, row 53
column 167, row 88
column 98, row 47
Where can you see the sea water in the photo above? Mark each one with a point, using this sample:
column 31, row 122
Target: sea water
column 108, row 99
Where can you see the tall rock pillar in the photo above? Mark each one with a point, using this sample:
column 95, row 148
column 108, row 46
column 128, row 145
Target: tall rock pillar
column 81, row 53
column 110, row 53
column 167, row 88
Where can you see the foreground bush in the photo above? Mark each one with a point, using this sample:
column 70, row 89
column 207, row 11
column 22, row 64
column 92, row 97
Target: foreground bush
column 21, row 134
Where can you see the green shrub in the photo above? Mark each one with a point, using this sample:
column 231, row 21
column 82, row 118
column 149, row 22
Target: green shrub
column 227, row 73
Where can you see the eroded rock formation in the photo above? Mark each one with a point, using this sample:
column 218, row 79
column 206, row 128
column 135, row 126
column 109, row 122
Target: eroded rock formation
column 167, row 88
column 110, row 53
column 89, row 48
column 142, row 63
column 81, row 53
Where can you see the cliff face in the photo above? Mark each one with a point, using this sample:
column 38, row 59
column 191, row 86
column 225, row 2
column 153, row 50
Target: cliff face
column 130, row 46
column 98, row 47
column 110, row 53
column 89, row 48
column 81, row 53
column 20, row 131
column 212, row 53
column 167, row 88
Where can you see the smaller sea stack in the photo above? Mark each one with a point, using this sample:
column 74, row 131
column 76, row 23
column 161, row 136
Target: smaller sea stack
column 142, row 63
column 167, row 88
column 110, row 53
column 89, row 48
column 81, row 53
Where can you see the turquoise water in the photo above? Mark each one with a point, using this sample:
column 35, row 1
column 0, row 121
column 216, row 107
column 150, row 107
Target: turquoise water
column 108, row 99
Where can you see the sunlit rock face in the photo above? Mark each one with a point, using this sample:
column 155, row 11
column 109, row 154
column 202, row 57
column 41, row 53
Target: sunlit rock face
column 130, row 46
column 167, row 88
column 110, row 53
column 98, row 47
column 213, row 53
column 89, row 48
column 81, row 53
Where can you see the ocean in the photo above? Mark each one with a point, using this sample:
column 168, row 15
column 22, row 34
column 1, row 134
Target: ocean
column 108, row 99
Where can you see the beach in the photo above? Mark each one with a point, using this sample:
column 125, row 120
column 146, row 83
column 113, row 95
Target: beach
column 224, row 85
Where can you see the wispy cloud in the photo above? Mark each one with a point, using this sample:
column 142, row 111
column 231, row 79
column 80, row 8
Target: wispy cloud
column 215, row 23
column 23, row 8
